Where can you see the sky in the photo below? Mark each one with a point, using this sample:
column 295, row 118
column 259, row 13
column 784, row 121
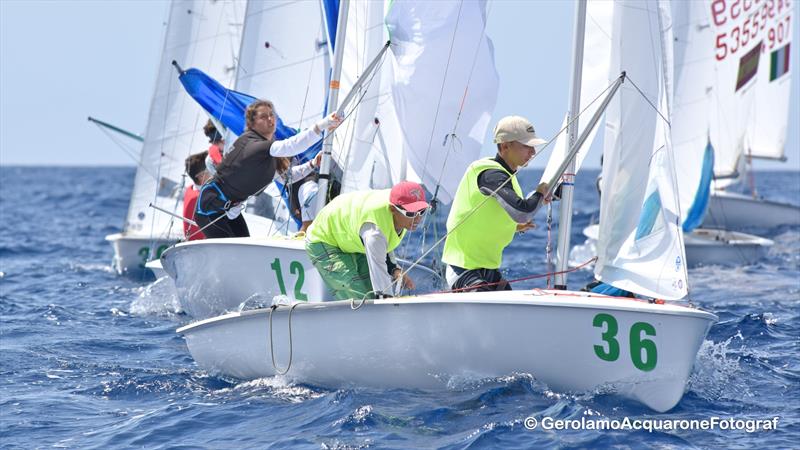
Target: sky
column 62, row 61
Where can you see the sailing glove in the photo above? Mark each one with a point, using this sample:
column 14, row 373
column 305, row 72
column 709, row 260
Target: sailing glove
column 234, row 211
column 328, row 123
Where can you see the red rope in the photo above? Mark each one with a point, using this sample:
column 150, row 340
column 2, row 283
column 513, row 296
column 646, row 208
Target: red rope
column 530, row 277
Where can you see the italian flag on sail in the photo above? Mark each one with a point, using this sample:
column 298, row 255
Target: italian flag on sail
column 779, row 62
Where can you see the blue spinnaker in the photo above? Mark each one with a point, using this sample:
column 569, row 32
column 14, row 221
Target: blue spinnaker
column 700, row 205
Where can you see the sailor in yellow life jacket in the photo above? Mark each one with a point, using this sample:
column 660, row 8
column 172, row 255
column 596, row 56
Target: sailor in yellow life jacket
column 352, row 239
column 475, row 241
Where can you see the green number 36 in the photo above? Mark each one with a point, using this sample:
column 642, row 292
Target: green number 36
column 644, row 353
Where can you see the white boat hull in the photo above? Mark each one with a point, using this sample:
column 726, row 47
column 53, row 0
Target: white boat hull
column 428, row 342
column 703, row 247
column 732, row 211
column 156, row 268
column 720, row 247
column 132, row 253
column 215, row 276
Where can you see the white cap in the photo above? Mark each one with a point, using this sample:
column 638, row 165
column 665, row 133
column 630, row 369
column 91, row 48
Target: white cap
column 516, row 128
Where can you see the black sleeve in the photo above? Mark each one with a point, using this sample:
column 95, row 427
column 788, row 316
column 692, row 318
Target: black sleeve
column 489, row 180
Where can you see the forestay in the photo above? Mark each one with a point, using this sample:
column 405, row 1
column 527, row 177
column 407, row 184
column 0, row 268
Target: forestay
column 199, row 33
column 640, row 245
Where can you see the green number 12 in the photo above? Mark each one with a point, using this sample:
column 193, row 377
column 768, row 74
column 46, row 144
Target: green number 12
column 294, row 268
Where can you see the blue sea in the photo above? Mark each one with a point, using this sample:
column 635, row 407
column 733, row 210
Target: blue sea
column 89, row 359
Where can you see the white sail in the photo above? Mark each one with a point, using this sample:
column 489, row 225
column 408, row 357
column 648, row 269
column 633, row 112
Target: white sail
column 412, row 103
column 367, row 147
column 445, row 86
column 596, row 58
column 694, row 81
column 201, row 34
column 766, row 133
column 640, row 244
column 284, row 59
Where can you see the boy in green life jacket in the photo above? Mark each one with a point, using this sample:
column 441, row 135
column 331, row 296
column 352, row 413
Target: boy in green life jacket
column 352, row 239
column 478, row 229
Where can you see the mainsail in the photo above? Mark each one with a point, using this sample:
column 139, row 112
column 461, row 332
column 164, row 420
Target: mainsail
column 198, row 33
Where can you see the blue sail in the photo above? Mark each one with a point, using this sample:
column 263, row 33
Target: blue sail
column 700, row 205
column 331, row 11
column 225, row 105
column 651, row 209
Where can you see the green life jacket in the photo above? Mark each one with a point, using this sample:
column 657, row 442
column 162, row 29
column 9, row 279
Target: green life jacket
column 340, row 221
column 477, row 240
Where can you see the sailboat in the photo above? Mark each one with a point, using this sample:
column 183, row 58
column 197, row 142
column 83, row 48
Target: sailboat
column 373, row 147
column 694, row 153
column 197, row 32
column 572, row 341
column 748, row 85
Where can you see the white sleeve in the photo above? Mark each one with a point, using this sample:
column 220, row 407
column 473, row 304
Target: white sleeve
column 300, row 171
column 212, row 169
column 296, row 144
column 375, row 245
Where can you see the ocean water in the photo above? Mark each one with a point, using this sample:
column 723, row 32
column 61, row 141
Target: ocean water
column 89, row 359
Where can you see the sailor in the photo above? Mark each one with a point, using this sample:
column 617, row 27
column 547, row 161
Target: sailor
column 216, row 147
column 249, row 167
column 351, row 241
column 489, row 207
column 300, row 183
column 196, row 169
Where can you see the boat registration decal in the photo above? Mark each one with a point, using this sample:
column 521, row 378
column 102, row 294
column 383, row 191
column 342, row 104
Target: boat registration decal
column 644, row 354
column 144, row 252
column 295, row 268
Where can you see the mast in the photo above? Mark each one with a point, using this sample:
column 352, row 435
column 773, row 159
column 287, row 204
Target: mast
column 568, row 178
column 333, row 98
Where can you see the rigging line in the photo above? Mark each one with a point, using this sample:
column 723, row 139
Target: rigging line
column 128, row 151
column 515, row 280
column 482, row 36
column 441, row 89
column 271, row 348
column 648, row 101
column 493, row 193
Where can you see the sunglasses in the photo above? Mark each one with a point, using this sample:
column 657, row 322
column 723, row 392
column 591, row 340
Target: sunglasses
column 409, row 214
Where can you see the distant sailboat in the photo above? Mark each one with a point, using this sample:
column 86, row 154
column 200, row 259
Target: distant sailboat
column 204, row 33
column 746, row 87
column 694, row 155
